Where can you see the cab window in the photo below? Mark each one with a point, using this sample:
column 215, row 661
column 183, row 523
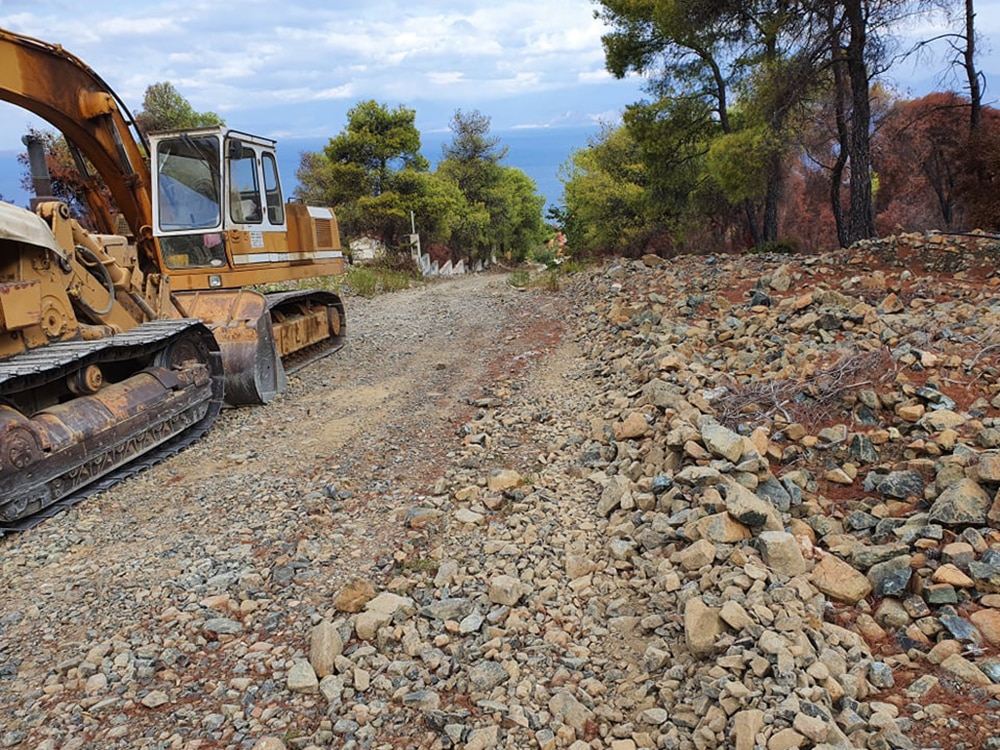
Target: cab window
column 272, row 191
column 244, row 195
column 187, row 188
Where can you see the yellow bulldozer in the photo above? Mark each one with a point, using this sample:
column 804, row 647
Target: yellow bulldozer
column 119, row 343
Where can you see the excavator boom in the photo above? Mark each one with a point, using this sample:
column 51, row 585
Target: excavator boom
column 60, row 88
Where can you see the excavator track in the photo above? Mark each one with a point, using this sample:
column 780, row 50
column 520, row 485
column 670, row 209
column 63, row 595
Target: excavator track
column 300, row 304
column 67, row 451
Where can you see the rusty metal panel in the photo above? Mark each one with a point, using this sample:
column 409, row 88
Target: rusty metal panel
column 20, row 304
column 224, row 307
column 298, row 332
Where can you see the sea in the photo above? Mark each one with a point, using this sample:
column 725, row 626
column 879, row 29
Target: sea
column 538, row 152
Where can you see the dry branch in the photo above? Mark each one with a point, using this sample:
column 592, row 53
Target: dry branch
column 809, row 400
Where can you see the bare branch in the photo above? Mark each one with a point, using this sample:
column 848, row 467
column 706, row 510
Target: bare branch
column 808, row 399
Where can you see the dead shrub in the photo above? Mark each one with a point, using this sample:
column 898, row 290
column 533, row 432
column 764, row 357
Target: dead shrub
column 812, row 400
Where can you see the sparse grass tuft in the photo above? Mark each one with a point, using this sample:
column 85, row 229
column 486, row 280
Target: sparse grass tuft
column 369, row 281
column 548, row 281
column 519, row 279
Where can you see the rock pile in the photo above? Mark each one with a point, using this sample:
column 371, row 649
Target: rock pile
column 783, row 499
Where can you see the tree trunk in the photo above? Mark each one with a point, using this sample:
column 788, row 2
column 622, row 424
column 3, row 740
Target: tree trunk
column 840, row 117
column 969, row 63
column 861, row 224
column 771, row 198
column 752, row 224
column 836, row 175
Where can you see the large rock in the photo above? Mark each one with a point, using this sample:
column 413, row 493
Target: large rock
column 368, row 623
column 781, row 553
column 506, row 590
column 567, row 709
column 840, row 581
column 774, row 492
column 986, row 572
column 503, row 479
column 450, row 608
column 722, row 528
column 483, row 738
column 988, row 469
column 750, row 510
column 721, row 441
column 702, row 625
column 487, row 675
column 987, row 621
column 965, row 670
column 746, row 725
column 633, row 426
column 617, row 493
column 735, row 616
column 302, row 678
column 898, row 484
column 392, row 604
column 354, row 595
column 942, row 419
column 325, row 646
column 664, row 395
column 890, row 578
column 964, row 503
column 695, row 556
column 222, row 626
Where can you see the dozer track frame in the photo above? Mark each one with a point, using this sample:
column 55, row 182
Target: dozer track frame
column 170, row 392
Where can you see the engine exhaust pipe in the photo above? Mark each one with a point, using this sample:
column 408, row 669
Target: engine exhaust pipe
column 41, row 180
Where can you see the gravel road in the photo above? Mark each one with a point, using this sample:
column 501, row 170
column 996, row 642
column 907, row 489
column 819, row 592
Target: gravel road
column 255, row 527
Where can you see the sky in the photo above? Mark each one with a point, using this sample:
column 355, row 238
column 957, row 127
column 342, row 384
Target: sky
column 291, row 70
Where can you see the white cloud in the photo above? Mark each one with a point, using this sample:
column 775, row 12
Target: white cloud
column 337, row 92
column 223, row 60
column 594, row 76
column 446, row 78
column 523, row 61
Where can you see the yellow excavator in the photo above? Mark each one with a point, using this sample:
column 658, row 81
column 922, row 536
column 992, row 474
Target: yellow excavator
column 119, row 344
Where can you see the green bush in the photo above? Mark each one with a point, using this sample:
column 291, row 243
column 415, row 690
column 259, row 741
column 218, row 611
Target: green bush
column 573, row 265
column 779, row 247
column 543, row 255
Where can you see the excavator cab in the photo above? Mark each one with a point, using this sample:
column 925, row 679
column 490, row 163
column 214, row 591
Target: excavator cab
column 208, row 182
column 221, row 225
column 220, row 217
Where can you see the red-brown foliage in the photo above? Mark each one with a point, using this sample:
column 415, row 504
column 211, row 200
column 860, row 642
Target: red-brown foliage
column 979, row 177
column 923, row 161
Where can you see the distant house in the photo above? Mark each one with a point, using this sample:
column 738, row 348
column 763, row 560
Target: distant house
column 367, row 248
